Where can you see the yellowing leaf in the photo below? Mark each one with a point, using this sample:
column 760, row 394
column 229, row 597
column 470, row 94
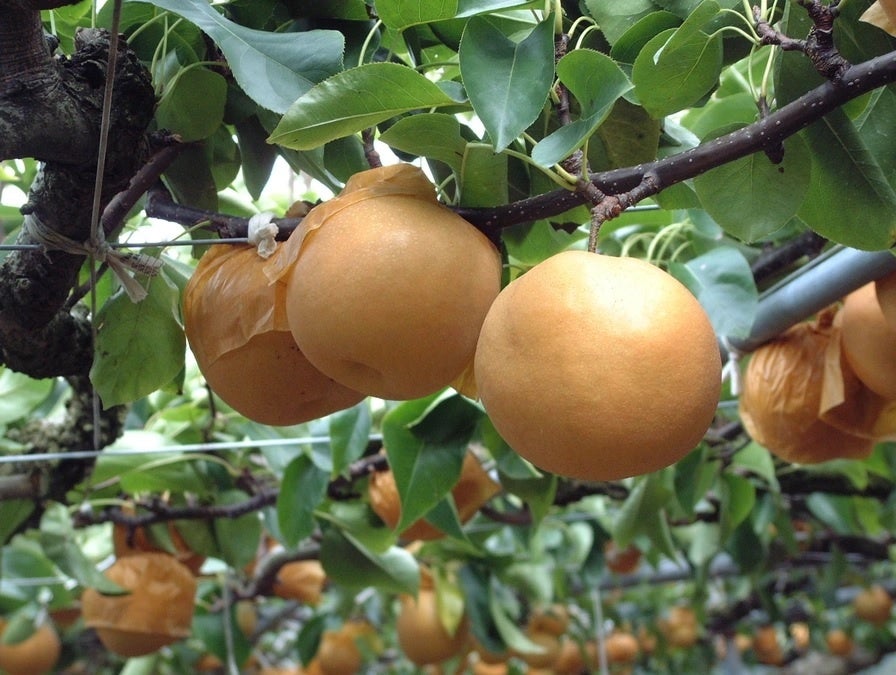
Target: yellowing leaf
column 881, row 14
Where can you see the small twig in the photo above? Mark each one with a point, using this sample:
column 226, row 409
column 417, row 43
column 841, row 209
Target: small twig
column 819, row 46
column 373, row 157
column 117, row 209
column 160, row 205
column 159, row 512
column 610, row 206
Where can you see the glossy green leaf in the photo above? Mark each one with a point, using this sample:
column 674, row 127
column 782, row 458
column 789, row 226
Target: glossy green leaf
column 678, row 66
column 596, row 82
column 846, row 179
column 350, row 564
column 467, row 8
column 475, row 580
column 192, row 104
column 349, row 435
column 190, row 178
column 751, row 197
column 303, row 487
column 722, row 281
column 274, row 69
column 758, row 461
column 257, row 157
column 426, row 440
column 140, row 345
column 633, row 40
column 694, row 476
column 617, row 16
column 358, row 520
column 505, row 613
column 746, row 548
column 237, row 537
column 643, row 513
column 835, row 511
column 431, row 135
column 401, row 14
column 507, row 82
column 483, row 176
column 355, row 100
column 13, row 512
column 60, row 544
column 737, row 496
column 874, row 129
column 629, row 136
column 20, row 394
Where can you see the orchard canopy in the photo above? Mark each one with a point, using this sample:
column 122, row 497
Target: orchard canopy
column 175, row 498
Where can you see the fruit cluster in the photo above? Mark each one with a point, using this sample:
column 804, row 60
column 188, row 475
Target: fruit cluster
column 589, row 366
column 826, row 388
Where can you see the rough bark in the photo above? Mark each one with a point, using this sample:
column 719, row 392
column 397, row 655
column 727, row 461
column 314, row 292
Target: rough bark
column 50, row 109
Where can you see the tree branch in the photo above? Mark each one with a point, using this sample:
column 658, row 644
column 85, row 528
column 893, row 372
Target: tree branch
column 777, row 126
column 38, row 335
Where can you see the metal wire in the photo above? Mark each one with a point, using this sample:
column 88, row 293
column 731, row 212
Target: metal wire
column 140, row 244
column 189, row 447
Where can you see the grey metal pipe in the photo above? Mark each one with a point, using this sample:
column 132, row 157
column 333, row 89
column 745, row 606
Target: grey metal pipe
column 813, row 287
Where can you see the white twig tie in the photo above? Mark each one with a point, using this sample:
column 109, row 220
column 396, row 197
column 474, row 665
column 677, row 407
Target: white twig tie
column 731, row 369
column 122, row 263
column 263, row 234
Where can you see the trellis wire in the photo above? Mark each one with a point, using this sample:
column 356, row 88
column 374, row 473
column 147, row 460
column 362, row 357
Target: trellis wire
column 187, row 447
column 141, row 244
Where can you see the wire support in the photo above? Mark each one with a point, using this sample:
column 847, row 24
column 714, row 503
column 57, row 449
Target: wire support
column 166, row 449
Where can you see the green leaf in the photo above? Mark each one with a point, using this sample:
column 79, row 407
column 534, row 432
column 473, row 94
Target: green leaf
column 617, row 16
column 192, row 104
column 209, row 629
column 475, row 581
column 150, row 471
column 507, row 82
column 505, row 613
column 723, row 283
column 349, row 435
column 303, row 487
column 257, row 157
column 274, row 69
column 643, row 513
column 13, row 512
column 737, row 496
column 59, row 543
column 432, row 135
column 694, row 476
column 350, row 564
column 632, row 41
column 355, row 100
column 835, row 511
column 20, row 394
column 426, row 440
column 758, row 461
column 846, row 179
column 237, row 537
column 483, row 176
column 140, row 345
column 597, row 83
column 676, row 68
column 751, row 197
column 745, row 546
column 401, row 14
column 358, row 520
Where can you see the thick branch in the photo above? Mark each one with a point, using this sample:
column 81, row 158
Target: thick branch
column 38, row 336
column 41, row 115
